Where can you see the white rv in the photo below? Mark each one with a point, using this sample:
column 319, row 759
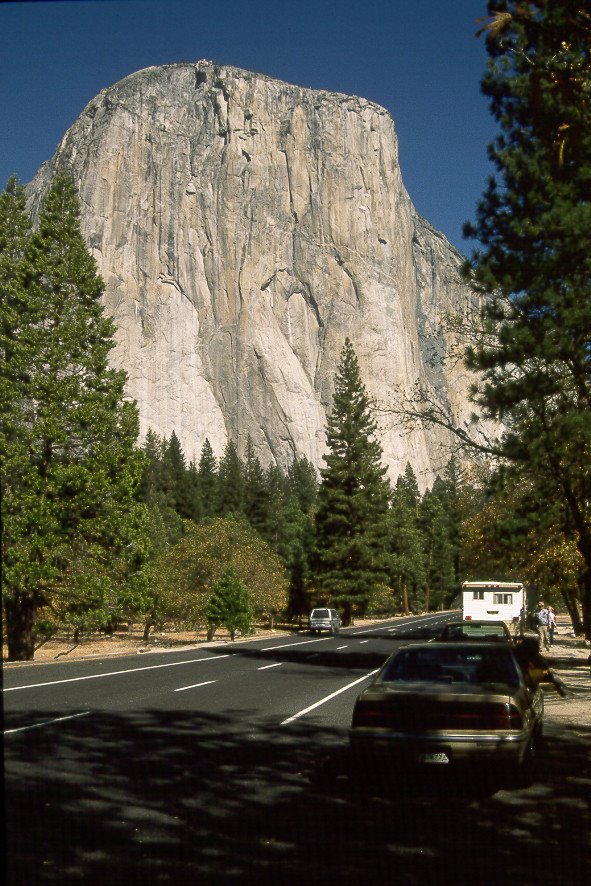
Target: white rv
column 494, row 601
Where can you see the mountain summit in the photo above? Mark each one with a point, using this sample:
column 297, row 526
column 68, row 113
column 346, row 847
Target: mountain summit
column 244, row 228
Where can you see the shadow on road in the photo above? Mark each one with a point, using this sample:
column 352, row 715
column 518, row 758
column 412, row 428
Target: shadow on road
column 157, row 797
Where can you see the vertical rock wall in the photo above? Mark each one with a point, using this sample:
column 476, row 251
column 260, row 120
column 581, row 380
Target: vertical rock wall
column 244, row 228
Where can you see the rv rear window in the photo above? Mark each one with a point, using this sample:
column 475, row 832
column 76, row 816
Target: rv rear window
column 503, row 598
column 478, row 595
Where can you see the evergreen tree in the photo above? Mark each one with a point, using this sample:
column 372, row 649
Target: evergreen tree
column 406, row 560
column 229, row 606
column 256, row 497
column 303, row 482
column 450, row 489
column 181, row 481
column 409, row 488
column 70, row 464
column 207, row 481
column 436, row 527
column 353, row 498
column 230, row 482
column 534, row 262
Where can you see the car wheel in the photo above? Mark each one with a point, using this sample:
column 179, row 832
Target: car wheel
column 525, row 772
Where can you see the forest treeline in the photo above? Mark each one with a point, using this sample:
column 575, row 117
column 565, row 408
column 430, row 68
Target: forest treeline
column 98, row 529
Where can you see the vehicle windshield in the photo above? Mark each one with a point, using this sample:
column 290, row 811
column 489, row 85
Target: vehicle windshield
column 438, row 665
column 320, row 613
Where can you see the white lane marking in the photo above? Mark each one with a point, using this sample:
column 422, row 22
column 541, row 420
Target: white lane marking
column 341, row 647
column 379, row 627
column 299, row 643
column 195, row 685
column 46, row 723
column 328, row 698
column 172, row 664
column 361, row 642
column 266, row 667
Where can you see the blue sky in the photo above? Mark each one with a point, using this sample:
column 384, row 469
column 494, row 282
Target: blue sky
column 417, row 58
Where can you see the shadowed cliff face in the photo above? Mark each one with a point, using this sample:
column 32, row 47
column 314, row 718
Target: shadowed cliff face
column 244, row 228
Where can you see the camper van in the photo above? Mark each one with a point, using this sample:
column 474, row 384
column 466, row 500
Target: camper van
column 494, row 601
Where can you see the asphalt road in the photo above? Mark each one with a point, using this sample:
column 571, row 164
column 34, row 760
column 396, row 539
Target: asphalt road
column 228, row 764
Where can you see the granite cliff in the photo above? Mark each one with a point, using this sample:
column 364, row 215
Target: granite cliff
column 244, row 227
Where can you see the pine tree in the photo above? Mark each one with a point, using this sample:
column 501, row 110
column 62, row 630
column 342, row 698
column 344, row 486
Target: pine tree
column 181, row 480
column 207, row 481
column 256, row 497
column 353, row 498
column 230, row 482
column 70, row 463
column 534, row 262
column 229, row 606
column 406, row 554
column 436, row 526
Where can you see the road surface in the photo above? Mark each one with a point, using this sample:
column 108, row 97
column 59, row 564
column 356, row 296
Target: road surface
column 228, row 764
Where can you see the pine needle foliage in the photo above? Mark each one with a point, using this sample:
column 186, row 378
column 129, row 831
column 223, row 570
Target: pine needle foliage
column 229, row 605
column 68, row 435
column 353, row 498
column 533, row 263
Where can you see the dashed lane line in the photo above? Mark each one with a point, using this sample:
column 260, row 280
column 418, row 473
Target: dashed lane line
column 172, row 664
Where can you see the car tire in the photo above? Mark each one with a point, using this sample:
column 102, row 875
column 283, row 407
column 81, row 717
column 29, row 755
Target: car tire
column 524, row 773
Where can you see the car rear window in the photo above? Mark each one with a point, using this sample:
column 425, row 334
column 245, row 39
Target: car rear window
column 320, row 613
column 451, row 666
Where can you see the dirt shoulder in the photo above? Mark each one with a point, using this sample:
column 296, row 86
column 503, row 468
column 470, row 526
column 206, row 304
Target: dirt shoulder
column 570, row 659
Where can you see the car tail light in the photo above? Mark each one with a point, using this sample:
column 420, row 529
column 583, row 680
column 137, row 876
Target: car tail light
column 417, row 717
column 484, row 716
column 368, row 714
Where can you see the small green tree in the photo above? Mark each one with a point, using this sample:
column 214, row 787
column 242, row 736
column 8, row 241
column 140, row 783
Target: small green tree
column 353, row 498
column 229, row 606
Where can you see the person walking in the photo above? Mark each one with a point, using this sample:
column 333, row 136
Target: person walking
column 551, row 624
column 542, row 622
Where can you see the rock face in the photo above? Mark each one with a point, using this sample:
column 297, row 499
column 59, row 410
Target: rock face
column 244, row 227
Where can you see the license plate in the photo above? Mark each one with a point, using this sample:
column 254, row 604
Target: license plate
column 433, row 758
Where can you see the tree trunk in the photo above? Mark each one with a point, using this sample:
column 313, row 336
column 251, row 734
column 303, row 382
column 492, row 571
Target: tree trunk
column 20, row 616
column 586, row 604
column 347, row 614
column 147, row 627
column 570, row 601
column 404, row 598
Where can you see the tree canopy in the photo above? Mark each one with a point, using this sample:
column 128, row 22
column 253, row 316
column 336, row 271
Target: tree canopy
column 353, row 497
column 68, row 435
column 533, row 261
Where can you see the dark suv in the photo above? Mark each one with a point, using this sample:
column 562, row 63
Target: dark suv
column 325, row 620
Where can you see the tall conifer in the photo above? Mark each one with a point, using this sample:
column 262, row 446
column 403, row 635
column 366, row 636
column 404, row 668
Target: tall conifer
column 353, row 497
column 71, row 466
column 534, row 260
